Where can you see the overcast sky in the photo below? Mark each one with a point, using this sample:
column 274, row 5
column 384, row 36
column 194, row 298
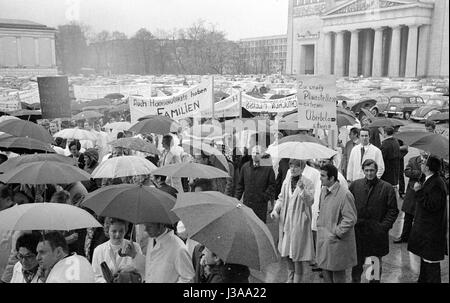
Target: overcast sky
column 238, row 18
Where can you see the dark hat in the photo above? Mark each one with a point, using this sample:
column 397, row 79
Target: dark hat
column 92, row 153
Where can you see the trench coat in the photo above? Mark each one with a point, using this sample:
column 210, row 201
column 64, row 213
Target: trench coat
column 336, row 245
column 414, row 173
column 377, row 212
column 390, row 148
column 295, row 233
column 428, row 234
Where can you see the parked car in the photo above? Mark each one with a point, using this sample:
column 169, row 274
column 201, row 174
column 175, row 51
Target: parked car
column 431, row 107
column 402, row 106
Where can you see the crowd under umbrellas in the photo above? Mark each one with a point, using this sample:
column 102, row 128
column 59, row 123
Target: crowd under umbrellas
column 158, row 216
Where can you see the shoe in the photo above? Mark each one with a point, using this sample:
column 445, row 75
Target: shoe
column 400, row 240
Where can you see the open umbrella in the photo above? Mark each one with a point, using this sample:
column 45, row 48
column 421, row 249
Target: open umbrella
column 136, row 144
column 46, row 216
column 429, row 142
column 134, row 203
column 300, row 150
column 24, row 145
column 385, row 122
column 205, row 131
column 21, row 128
column 301, row 138
column 76, row 134
column 85, row 115
column 119, row 126
column 191, row 170
column 344, row 120
column 124, row 166
column 14, row 162
column 226, row 227
column 284, row 125
column 155, row 124
column 114, row 96
column 196, row 147
column 120, row 108
column 45, row 172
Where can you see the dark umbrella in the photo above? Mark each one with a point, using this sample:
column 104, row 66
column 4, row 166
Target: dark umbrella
column 14, row 162
column 87, row 115
column 136, row 144
column 343, row 120
column 363, row 104
column 26, row 114
column 385, row 122
column 24, row 145
column 120, row 108
column 21, row 128
column 156, row 125
column 114, row 96
column 429, row 142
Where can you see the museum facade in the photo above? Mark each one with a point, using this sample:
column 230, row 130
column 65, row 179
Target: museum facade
column 370, row 38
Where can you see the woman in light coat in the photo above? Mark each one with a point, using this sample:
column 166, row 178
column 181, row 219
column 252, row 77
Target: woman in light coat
column 293, row 208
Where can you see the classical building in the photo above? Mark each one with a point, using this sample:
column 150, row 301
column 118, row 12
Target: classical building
column 264, row 54
column 26, row 48
column 373, row 38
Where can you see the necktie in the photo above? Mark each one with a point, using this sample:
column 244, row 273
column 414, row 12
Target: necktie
column 362, row 154
column 154, row 242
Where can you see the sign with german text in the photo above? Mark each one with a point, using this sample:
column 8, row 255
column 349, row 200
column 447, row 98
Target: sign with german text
column 9, row 102
column 54, row 97
column 317, row 102
column 257, row 105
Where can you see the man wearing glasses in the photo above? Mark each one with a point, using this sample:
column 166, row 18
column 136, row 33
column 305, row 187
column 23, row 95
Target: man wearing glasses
column 26, row 270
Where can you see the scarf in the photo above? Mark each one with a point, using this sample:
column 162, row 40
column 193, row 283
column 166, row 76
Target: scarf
column 28, row 275
column 294, row 181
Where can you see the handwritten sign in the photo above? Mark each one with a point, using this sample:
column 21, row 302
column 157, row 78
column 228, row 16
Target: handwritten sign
column 9, row 103
column 317, row 102
column 228, row 107
column 54, row 97
column 257, row 105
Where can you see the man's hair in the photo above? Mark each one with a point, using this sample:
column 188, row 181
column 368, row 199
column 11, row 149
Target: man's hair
column 167, row 140
column 62, row 196
column 433, row 163
column 204, row 184
column 110, row 221
column 5, row 191
column 298, row 163
column 355, row 131
column 29, row 241
column 430, row 123
column 3, row 158
column 55, row 239
column 331, row 171
column 120, row 135
column 76, row 143
column 365, row 129
column 389, row 130
column 369, row 162
column 163, row 178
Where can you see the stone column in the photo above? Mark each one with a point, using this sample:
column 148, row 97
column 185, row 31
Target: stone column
column 52, row 45
column 326, row 53
column 367, row 61
column 377, row 64
column 36, row 51
column 353, row 64
column 423, row 52
column 394, row 56
column 339, row 55
column 411, row 52
column 2, row 61
column 19, row 50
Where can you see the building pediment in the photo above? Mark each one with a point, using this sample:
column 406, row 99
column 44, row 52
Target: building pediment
column 361, row 6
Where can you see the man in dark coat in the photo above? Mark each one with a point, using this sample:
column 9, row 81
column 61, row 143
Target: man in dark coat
column 414, row 173
column 428, row 234
column 391, row 157
column 257, row 184
column 377, row 211
column 160, row 182
column 283, row 167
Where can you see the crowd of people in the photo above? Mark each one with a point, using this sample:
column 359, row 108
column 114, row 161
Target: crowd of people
column 331, row 216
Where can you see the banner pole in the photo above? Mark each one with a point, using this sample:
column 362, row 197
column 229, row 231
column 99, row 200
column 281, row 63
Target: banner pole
column 212, row 97
column 240, row 104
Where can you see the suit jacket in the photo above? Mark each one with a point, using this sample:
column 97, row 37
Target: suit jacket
column 346, row 156
column 428, row 233
column 414, row 173
column 390, row 149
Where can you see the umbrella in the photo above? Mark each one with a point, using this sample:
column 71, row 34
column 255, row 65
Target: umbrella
column 156, row 125
column 277, row 96
column 301, row 151
column 191, row 170
column 120, row 108
column 26, row 113
column 46, row 216
column 195, row 147
column 343, row 120
column 5, row 117
column 76, row 134
column 385, row 122
column 14, row 162
column 283, row 125
column 226, row 227
column 205, row 131
column 21, row 128
column 136, row 144
column 114, row 96
column 24, row 145
column 366, row 104
column 45, row 172
column 344, row 111
column 301, row 138
column 429, row 142
column 439, row 117
column 119, row 126
column 134, row 203
column 87, row 115
column 124, row 166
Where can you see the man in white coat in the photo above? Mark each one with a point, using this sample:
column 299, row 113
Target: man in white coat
column 362, row 152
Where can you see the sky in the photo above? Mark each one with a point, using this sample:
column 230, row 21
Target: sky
column 238, row 18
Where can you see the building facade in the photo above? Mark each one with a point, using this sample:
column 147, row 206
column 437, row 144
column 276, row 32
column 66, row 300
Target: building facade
column 372, row 38
column 264, row 55
column 26, row 48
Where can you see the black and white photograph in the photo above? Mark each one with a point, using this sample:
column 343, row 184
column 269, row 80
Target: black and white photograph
column 224, row 141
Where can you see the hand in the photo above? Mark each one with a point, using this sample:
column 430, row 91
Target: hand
column 300, row 184
column 129, row 251
column 417, row 186
column 274, row 215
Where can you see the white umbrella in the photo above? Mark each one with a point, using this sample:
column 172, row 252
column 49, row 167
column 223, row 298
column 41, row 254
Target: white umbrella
column 119, row 126
column 76, row 134
column 46, row 216
column 124, row 166
column 301, row 151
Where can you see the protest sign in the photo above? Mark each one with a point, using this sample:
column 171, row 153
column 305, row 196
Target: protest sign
column 9, row 103
column 54, row 97
column 257, row 105
column 317, row 102
column 187, row 104
column 228, row 107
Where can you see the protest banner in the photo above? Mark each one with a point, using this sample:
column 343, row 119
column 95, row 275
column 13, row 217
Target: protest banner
column 187, row 104
column 228, row 107
column 257, row 105
column 10, row 102
column 54, row 97
column 317, row 102
column 29, row 96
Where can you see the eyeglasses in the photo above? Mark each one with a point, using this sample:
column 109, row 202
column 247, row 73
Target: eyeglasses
column 27, row 257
